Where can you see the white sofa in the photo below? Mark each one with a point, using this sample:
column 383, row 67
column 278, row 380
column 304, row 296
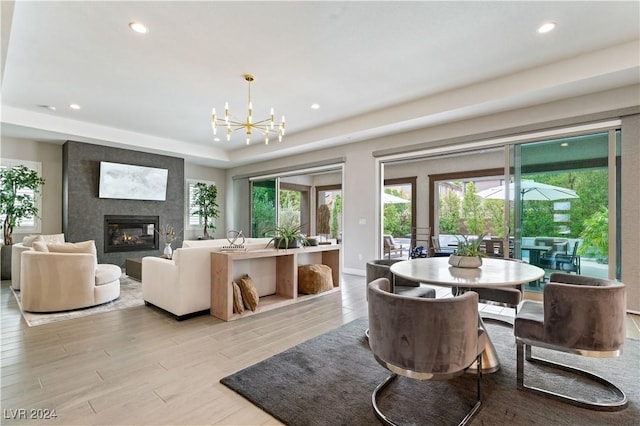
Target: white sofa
column 26, row 245
column 69, row 278
column 182, row 285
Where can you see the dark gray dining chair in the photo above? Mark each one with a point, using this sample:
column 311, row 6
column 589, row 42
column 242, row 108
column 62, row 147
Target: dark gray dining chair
column 424, row 339
column 579, row 315
column 381, row 268
column 507, row 296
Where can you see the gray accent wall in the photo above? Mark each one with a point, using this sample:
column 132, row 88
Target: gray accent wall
column 83, row 211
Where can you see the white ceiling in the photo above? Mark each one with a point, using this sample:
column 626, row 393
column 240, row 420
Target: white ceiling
column 374, row 67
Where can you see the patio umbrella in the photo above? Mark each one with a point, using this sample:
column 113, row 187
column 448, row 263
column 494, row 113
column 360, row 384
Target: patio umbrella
column 530, row 190
column 392, row 199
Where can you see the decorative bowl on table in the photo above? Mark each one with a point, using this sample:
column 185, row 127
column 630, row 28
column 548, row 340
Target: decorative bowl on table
column 465, row 261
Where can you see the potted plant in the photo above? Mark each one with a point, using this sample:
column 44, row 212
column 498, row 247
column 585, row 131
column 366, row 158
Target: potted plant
column 288, row 236
column 468, row 254
column 16, row 205
column 205, row 202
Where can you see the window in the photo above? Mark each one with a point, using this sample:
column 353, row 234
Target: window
column 194, row 221
column 29, row 224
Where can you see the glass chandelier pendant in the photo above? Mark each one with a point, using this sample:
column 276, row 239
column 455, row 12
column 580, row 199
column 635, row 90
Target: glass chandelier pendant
column 266, row 126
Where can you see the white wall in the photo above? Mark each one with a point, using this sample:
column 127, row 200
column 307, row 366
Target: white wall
column 50, row 155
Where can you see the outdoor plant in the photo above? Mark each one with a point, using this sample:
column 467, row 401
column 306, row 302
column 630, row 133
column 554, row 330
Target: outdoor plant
column 15, row 204
column 470, row 248
column 205, row 202
column 596, row 235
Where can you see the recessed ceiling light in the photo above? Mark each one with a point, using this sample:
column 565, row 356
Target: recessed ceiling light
column 565, row 144
column 315, row 106
column 138, row 27
column 74, row 106
column 216, row 139
column 546, row 27
column 49, row 107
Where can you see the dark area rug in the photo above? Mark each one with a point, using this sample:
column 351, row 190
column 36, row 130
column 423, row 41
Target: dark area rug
column 328, row 380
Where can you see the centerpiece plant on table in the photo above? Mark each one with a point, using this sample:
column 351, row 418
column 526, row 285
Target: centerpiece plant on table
column 468, row 254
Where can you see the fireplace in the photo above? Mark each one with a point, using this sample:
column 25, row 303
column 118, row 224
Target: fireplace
column 130, row 233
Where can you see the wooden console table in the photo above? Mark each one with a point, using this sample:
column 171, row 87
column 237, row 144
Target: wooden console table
column 283, row 264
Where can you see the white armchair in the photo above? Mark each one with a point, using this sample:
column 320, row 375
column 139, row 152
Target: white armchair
column 52, row 282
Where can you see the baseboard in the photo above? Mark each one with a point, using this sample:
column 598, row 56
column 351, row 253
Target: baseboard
column 352, row 271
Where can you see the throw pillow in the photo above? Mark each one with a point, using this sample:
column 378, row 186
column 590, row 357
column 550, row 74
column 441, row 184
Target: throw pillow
column 249, row 292
column 81, row 247
column 40, row 246
column 53, row 238
column 48, row 239
column 30, row 239
column 238, row 306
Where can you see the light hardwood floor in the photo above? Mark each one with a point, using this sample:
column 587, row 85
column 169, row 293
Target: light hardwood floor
column 139, row 366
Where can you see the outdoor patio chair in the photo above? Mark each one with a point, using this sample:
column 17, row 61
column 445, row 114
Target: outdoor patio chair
column 391, row 247
column 438, row 251
column 419, row 242
column 579, row 315
column 424, row 339
column 562, row 261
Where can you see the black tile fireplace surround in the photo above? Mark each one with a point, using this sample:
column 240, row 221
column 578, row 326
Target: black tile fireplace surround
column 126, row 233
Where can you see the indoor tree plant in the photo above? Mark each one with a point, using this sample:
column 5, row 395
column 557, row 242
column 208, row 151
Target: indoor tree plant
column 16, row 205
column 468, row 254
column 205, row 202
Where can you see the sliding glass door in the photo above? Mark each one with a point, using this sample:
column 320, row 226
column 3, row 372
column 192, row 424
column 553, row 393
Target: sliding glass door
column 399, row 211
column 560, row 201
column 264, row 207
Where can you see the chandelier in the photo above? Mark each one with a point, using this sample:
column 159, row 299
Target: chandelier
column 266, row 127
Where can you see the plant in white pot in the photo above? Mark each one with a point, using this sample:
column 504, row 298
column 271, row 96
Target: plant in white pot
column 468, row 254
column 16, row 204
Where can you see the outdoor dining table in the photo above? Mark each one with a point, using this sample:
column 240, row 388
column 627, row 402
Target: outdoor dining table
column 535, row 252
column 493, row 273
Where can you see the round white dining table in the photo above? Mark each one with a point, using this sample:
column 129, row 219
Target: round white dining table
column 492, row 273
